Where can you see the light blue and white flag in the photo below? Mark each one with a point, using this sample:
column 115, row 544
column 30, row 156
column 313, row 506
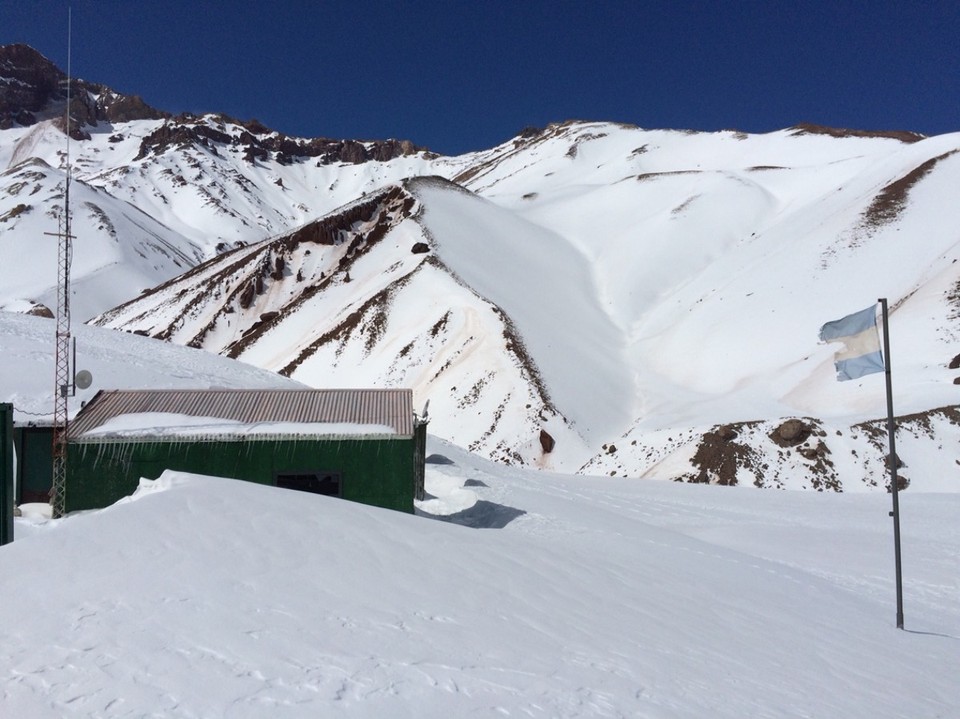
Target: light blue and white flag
column 861, row 353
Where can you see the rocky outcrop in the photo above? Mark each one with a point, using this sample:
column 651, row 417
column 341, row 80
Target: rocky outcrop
column 259, row 143
column 28, row 83
column 32, row 88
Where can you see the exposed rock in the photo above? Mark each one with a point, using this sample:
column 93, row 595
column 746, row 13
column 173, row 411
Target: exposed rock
column 259, row 143
column 126, row 108
column 246, row 296
column 902, row 484
column 718, row 457
column 39, row 310
column 279, row 264
column 892, row 199
column 807, row 128
column 32, row 88
column 17, row 210
column 420, row 248
column 726, row 433
column 814, row 453
column 547, row 442
column 30, row 83
column 791, row 433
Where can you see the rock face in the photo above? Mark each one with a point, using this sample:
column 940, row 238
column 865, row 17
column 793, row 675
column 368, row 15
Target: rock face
column 260, row 143
column 32, row 89
column 547, row 442
column 28, row 83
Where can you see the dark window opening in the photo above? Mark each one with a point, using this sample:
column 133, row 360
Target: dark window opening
column 326, row 483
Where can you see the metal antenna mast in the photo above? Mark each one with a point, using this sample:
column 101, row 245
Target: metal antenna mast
column 62, row 356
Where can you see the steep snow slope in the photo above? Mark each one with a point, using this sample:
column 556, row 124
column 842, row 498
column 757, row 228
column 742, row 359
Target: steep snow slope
column 346, row 301
column 200, row 185
column 115, row 359
column 208, row 178
column 720, row 255
column 118, row 249
column 646, row 282
column 547, row 288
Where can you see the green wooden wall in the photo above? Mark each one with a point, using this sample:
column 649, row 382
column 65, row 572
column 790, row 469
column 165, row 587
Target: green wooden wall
column 379, row 472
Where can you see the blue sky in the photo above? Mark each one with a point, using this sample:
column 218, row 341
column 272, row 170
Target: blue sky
column 460, row 76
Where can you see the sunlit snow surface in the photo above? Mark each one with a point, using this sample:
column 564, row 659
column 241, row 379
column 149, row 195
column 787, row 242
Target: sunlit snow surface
column 513, row 593
column 541, row 595
column 115, row 359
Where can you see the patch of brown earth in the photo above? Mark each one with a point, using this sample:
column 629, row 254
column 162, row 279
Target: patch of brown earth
column 892, row 199
column 807, row 128
column 719, row 455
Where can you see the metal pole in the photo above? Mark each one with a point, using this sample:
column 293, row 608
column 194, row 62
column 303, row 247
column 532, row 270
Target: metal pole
column 62, row 350
column 894, row 480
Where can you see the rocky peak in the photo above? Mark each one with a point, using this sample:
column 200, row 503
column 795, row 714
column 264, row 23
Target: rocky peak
column 260, row 143
column 32, row 88
column 29, row 82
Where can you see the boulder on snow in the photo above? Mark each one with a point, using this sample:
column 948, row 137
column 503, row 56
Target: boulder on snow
column 547, row 442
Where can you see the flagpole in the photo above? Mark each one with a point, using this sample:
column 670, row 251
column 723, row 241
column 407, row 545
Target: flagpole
column 894, row 480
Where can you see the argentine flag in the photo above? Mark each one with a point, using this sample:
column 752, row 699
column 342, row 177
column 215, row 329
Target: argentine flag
column 861, row 353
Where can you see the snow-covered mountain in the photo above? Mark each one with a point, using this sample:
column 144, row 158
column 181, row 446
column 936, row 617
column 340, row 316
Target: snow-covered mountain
column 194, row 186
column 584, row 297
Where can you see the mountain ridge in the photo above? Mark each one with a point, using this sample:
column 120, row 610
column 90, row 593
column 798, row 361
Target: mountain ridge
column 587, row 296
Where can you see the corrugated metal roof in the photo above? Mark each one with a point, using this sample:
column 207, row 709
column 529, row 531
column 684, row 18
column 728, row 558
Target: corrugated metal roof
column 391, row 407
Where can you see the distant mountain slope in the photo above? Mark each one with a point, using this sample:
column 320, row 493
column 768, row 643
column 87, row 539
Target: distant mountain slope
column 212, row 183
column 365, row 296
column 118, row 250
column 586, row 296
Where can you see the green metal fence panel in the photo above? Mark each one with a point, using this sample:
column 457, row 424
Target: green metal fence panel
column 6, row 473
column 34, row 452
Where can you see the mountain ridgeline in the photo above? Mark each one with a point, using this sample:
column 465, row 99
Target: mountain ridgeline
column 585, row 297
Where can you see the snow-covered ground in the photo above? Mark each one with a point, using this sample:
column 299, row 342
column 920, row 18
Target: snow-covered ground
column 116, row 360
column 511, row 593
column 541, row 596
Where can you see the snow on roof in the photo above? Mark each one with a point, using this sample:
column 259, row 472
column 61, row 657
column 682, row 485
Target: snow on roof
column 167, row 424
column 246, row 412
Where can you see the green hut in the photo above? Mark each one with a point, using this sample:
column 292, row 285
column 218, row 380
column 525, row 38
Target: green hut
column 365, row 445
